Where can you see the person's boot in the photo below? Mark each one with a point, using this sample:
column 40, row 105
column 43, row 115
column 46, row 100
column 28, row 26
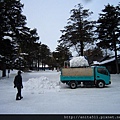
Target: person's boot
column 21, row 97
column 17, row 97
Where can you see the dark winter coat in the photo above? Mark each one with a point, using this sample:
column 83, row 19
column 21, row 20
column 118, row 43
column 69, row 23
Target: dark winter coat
column 18, row 81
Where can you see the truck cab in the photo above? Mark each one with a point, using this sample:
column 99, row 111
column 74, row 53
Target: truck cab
column 102, row 76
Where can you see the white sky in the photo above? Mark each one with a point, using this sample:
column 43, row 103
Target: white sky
column 50, row 16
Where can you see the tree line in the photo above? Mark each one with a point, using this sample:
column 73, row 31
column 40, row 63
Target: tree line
column 20, row 46
column 104, row 32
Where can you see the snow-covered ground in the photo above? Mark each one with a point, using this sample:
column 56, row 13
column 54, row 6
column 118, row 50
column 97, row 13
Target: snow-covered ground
column 44, row 94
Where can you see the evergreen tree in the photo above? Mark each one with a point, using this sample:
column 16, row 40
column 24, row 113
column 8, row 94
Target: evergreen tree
column 12, row 21
column 62, row 54
column 28, row 39
column 44, row 55
column 108, row 29
column 14, row 35
column 79, row 29
column 28, row 45
column 94, row 54
column 11, row 18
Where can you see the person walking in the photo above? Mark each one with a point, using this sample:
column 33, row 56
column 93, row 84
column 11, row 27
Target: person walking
column 18, row 84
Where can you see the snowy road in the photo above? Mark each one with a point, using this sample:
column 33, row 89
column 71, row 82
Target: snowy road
column 44, row 94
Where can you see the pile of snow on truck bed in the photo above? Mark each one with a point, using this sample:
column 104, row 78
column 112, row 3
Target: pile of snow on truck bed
column 79, row 62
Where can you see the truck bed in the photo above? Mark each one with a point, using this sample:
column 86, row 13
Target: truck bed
column 77, row 72
column 80, row 74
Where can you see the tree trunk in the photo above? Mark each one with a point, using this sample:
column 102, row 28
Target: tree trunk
column 38, row 62
column 4, row 73
column 4, row 70
column 116, row 59
column 82, row 47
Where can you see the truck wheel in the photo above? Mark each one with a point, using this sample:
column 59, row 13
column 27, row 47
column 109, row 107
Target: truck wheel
column 73, row 85
column 100, row 84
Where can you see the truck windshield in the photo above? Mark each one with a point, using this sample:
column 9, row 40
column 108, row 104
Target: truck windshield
column 102, row 71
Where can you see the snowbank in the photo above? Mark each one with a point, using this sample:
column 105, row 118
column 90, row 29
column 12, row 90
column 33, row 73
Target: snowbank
column 41, row 85
column 13, row 71
column 78, row 62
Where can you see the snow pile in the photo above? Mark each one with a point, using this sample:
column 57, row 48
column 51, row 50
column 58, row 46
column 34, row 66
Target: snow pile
column 41, row 85
column 13, row 71
column 78, row 62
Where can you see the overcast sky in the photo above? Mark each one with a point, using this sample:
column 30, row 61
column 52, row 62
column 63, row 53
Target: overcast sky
column 50, row 16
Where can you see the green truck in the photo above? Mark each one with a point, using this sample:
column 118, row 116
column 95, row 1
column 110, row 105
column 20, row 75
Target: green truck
column 98, row 76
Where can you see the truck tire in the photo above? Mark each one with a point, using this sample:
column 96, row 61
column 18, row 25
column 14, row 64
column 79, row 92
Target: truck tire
column 100, row 84
column 73, row 85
